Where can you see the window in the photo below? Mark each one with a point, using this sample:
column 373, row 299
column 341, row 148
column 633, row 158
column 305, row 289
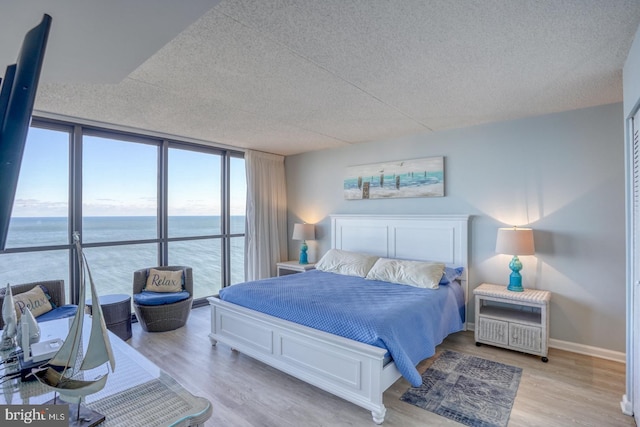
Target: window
column 35, row 265
column 40, row 215
column 119, row 190
column 194, row 193
column 204, row 257
column 137, row 202
column 112, row 267
column 38, row 239
column 194, row 206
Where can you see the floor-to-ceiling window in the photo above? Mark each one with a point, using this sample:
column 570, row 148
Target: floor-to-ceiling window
column 119, row 204
column 194, row 206
column 136, row 201
column 38, row 232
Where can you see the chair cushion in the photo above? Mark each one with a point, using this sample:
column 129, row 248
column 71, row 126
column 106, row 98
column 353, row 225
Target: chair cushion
column 61, row 312
column 159, row 298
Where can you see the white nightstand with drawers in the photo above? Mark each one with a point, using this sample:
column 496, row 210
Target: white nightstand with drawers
column 514, row 320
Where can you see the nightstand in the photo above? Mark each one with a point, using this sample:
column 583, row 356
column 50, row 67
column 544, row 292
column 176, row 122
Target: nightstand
column 293, row 267
column 514, row 320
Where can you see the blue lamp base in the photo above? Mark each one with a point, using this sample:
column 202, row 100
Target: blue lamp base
column 303, row 253
column 515, row 279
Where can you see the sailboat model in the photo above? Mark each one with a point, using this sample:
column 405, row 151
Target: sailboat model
column 59, row 372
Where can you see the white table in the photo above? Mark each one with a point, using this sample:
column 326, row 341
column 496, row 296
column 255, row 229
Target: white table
column 137, row 393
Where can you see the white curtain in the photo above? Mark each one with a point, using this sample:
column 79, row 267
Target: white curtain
column 266, row 232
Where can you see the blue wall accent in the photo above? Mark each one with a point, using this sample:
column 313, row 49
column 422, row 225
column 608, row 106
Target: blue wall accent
column 560, row 174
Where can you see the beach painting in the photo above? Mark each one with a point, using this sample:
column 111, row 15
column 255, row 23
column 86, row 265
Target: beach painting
column 397, row 179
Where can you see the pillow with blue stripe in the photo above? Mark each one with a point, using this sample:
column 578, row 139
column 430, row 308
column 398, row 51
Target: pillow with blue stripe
column 451, row 274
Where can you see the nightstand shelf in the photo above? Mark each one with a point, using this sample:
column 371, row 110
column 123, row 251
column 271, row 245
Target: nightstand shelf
column 514, row 320
column 510, row 314
column 293, row 267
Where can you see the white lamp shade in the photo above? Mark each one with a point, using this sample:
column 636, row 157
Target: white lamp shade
column 515, row 241
column 304, row 232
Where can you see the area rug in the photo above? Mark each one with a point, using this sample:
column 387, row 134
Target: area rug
column 467, row 389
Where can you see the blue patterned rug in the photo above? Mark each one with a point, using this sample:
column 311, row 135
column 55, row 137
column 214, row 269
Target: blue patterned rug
column 467, row 389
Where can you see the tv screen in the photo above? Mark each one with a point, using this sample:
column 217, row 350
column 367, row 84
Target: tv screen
column 17, row 95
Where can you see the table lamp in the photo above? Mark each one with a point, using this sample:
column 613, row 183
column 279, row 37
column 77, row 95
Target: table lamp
column 304, row 232
column 515, row 241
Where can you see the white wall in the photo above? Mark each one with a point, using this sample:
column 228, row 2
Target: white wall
column 561, row 174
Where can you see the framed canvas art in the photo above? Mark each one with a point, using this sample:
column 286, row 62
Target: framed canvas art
column 403, row 178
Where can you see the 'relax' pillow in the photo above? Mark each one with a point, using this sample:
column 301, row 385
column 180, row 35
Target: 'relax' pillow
column 37, row 300
column 421, row 274
column 164, row 281
column 347, row 263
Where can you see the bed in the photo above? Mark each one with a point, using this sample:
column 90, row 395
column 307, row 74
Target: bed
column 353, row 370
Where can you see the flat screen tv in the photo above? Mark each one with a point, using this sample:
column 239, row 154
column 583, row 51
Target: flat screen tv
column 17, row 95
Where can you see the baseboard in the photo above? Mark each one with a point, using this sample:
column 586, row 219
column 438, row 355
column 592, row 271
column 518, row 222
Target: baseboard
column 626, row 406
column 471, row 326
column 587, row 350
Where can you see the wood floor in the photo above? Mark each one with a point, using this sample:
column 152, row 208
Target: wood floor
column 570, row 389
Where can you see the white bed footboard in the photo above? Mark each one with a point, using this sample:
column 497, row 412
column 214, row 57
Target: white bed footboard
column 349, row 369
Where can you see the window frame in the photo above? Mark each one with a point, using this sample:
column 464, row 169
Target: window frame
column 76, row 133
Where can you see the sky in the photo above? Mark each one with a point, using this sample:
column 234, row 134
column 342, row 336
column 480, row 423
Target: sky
column 120, row 179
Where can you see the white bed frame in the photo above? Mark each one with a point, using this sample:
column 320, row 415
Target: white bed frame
column 349, row 369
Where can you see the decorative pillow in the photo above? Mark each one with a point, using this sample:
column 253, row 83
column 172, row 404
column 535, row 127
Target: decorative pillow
column 37, row 300
column 347, row 263
column 414, row 273
column 164, row 281
column 450, row 274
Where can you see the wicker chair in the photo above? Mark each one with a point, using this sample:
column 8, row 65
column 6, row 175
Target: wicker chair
column 167, row 317
column 54, row 287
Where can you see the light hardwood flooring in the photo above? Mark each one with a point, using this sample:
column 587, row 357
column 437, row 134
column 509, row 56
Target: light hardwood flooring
column 570, row 389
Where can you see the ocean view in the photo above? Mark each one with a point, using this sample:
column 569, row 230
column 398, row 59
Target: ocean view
column 112, row 267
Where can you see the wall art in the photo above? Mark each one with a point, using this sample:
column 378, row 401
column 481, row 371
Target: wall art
column 398, row 179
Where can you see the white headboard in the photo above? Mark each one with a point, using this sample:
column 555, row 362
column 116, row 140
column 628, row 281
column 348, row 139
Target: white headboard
column 441, row 238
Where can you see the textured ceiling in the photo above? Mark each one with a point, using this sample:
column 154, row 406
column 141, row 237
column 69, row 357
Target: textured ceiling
column 289, row 76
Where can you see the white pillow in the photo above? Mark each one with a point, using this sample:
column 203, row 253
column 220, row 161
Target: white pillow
column 347, row 263
column 421, row 274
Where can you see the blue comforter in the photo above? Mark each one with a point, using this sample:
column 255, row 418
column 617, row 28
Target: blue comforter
column 407, row 321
